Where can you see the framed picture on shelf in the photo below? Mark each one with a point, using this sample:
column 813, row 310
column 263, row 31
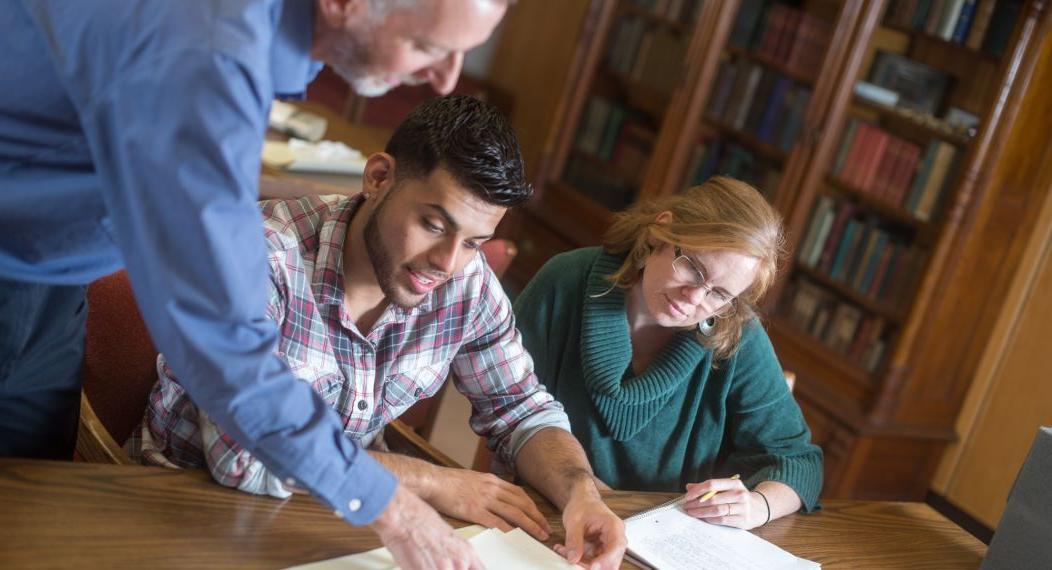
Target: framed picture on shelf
column 919, row 87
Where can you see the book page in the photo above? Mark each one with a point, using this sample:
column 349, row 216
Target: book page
column 514, row 550
column 669, row 539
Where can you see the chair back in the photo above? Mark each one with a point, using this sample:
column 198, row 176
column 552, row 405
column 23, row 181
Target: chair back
column 119, row 356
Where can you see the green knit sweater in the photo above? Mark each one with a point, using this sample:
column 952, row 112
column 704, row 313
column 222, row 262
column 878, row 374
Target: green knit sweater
column 681, row 421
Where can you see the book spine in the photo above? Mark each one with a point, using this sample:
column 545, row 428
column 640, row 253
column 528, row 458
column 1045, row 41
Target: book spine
column 983, row 12
column 964, row 22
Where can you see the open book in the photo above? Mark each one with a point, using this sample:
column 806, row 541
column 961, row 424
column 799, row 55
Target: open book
column 497, row 550
column 667, row 538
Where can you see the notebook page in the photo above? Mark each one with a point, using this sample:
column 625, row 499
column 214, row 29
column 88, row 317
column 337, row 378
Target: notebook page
column 670, row 539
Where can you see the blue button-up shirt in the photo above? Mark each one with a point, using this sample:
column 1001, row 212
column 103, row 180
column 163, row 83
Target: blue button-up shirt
column 130, row 135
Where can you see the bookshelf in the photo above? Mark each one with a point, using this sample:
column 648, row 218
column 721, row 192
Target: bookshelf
column 872, row 128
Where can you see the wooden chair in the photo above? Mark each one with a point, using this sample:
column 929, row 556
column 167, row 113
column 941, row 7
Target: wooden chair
column 119, row 371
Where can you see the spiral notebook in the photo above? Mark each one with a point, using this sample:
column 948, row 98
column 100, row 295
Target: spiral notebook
column 667, row 538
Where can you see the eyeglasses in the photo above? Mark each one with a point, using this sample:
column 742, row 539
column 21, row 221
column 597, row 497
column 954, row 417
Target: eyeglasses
column 718, row 303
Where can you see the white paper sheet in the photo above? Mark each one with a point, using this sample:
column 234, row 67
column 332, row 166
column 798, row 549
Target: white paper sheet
column 670, row 539
column 330, row 157
column 515, row 550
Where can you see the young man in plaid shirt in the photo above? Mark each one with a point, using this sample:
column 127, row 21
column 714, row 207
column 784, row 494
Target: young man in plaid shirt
column 381, row 295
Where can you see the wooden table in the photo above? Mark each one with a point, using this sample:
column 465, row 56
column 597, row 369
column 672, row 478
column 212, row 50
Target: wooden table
column 61, row 515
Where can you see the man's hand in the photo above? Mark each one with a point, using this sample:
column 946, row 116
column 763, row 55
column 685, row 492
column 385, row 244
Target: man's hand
column 595, row 536
column 419, row 539
column 485, row 499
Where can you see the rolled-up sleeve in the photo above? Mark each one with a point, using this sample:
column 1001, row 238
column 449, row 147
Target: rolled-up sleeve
column 176, row 142
column 494, row 371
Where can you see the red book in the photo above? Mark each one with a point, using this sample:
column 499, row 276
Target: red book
column 773, row 26
column 791, row 27
column 903, row 179
column 878, row 145
column 855, row 155
column 886, row 169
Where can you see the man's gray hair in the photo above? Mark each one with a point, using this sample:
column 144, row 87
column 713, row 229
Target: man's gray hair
column 380, row 9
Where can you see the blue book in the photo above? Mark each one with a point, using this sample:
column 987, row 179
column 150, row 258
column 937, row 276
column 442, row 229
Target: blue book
column 964, row 22
column 874, row 259
column 920, row 179
column 775, row 106
column 846, row 241
column 856, row 251
column 920, row 14
column 795, row 121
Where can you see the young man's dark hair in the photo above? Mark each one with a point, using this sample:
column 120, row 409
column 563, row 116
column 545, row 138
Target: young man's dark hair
column 468, row 138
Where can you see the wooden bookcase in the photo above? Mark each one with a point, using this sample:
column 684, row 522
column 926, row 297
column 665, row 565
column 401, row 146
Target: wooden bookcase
column 766, row 91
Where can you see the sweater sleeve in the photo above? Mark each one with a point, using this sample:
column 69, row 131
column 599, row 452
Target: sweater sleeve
column 769, row 438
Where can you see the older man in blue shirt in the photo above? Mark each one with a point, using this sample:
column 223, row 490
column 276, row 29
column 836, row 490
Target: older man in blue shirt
column 130, row 135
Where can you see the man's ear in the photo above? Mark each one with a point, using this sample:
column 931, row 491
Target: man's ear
column 379, row 174
column 340, row 13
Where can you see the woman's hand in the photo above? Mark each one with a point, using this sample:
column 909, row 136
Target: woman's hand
column 732, row 505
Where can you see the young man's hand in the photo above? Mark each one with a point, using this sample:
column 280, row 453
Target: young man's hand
column 485, row 499
column 595, row 536
column 419, row 539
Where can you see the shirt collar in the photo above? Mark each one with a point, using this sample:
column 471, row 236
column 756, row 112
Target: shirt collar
column 327, row 280
column 291, row 67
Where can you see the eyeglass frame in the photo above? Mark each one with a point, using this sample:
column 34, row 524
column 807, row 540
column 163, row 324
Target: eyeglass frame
column 720, row 312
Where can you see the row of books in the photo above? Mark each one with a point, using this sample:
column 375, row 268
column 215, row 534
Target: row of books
column 985, row 25
column 647, row 54
column 754, row 99
column 843, row 327
column 892, row 169
column 713, row 156
column 602, row 184
column 601, row 125
column 683, row 11
column 782, row 34
column 851, row 247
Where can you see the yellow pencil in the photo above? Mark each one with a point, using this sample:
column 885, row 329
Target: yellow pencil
column 713, row 492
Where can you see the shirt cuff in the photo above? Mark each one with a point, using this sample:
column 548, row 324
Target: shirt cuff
column 363, row 492
column 528, row 427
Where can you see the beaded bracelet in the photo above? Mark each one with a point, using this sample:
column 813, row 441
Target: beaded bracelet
column 768, row 506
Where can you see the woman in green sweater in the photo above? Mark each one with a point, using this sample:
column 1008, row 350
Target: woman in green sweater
column 653, row 346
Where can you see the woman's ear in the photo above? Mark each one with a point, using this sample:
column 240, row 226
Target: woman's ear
column 662, row 218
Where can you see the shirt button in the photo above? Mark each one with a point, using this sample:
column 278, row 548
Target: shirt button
column 337, row 514
column 290, row 482
column 354, row 505
column 362, row 405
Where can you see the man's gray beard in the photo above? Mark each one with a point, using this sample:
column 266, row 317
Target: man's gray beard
column 367, row 86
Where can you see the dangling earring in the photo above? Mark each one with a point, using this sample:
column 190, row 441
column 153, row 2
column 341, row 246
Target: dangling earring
column 707, row 327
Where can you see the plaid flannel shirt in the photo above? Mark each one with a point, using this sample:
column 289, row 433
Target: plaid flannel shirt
column 466, row 326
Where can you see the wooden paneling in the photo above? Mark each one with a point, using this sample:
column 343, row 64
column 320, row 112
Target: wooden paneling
column 1011, row 394
column 531, row 61
column 1019, row 400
